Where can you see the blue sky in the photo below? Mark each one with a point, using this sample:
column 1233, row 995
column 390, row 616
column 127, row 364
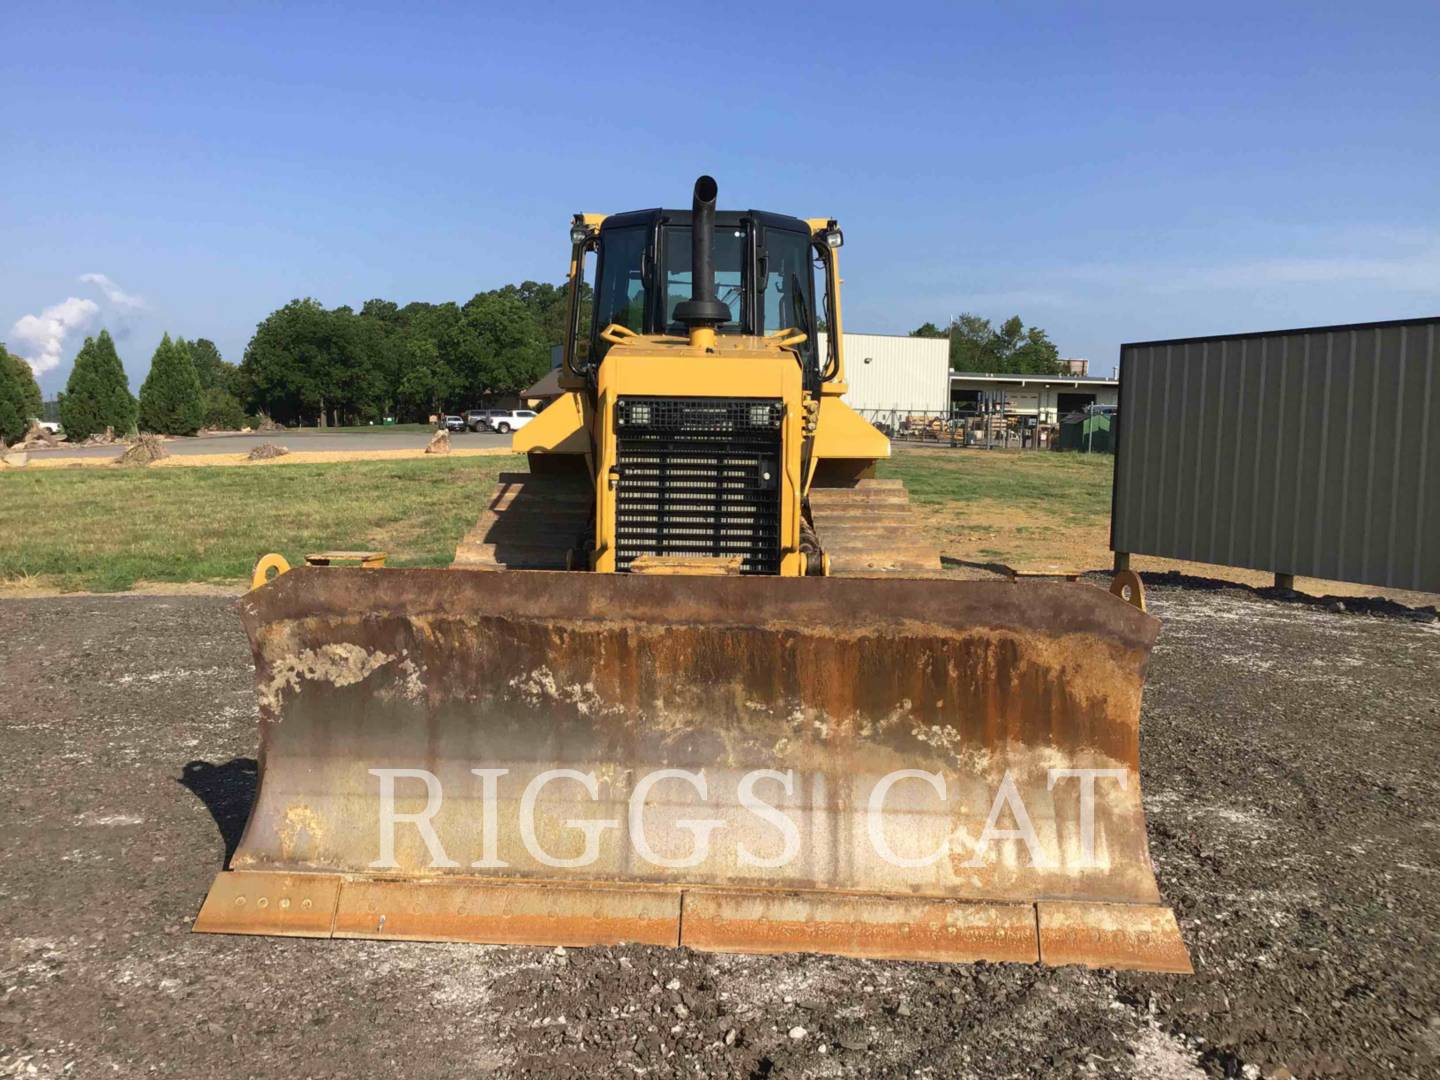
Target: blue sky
column 1110, row 173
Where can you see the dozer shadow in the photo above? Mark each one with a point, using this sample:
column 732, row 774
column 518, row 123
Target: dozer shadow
column 228, row 792
column 950, row 562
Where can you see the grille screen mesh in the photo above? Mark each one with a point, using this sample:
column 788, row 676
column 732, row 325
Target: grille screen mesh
column 699, row 476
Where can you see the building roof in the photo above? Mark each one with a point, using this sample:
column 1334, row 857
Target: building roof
column 1424, row 320
column 547, row 386
column 1040, row 380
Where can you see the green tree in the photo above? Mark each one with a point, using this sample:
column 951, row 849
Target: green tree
column 171, row 401
column 973, row 344
column 20, row 400
column 223, row 411
column 427, row 381
column 504, row 341
column 97, row 394
column 11, row 424
column 308, row 364
column 976, row 345
column 211, row 368
column 305, row 361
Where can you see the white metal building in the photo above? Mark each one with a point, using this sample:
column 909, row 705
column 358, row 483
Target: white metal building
column 895, row 372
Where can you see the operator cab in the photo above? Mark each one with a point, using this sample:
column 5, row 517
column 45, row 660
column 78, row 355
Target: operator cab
column 764, row 276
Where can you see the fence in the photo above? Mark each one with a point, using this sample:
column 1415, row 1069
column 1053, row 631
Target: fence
column 997, row 429
column 1311, row 452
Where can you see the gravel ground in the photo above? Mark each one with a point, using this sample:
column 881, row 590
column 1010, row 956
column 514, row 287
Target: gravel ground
column 1290, row 757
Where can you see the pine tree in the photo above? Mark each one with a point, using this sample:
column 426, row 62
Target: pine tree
column 97, row 394
column 12, row 402
column 30, row 404
column 171, row 401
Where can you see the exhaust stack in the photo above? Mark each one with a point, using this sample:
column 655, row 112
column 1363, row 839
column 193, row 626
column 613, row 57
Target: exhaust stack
column 702, row 312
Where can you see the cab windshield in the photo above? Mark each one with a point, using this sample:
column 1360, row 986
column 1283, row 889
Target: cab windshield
column 729, row 274
column 767, row 282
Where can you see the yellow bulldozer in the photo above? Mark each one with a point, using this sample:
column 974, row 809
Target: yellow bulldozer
column 696, row 677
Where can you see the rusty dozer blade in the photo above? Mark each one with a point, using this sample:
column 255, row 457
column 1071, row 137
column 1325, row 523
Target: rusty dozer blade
column 921, row 769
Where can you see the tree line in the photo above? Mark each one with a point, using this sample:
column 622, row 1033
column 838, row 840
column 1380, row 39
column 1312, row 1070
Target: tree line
column 308, row 364
column 1010, row 348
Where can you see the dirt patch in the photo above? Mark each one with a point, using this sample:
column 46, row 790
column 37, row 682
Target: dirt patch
column 267, row 452
column 990, row 533
column 36, row 588
column 1290, row 766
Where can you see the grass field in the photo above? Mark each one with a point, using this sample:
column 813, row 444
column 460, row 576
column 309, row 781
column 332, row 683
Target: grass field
column 107, row 529
column 1012, row 507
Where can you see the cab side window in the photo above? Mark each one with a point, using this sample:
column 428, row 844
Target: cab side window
column 786, row 288
column 622, row 295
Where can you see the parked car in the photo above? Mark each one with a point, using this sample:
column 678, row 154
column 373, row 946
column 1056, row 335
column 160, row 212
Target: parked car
column 507, row 420
column 480, row 418
column 454, row 423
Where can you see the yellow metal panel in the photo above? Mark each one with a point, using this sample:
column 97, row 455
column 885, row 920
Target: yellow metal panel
column 261, row 574
column 561, row 428
column 740, row 368
column 666, row 371
column 701, row 565
column 604, row 502
column 844, row 433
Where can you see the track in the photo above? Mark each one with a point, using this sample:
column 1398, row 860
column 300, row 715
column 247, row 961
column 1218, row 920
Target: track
column 868, row 527
column 533, row 522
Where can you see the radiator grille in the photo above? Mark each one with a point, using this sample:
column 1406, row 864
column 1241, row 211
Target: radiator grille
column 698, row 476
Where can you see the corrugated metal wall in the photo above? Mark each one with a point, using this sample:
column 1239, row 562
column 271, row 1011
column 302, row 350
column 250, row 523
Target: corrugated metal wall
column 902, row 373
column 1313, row 452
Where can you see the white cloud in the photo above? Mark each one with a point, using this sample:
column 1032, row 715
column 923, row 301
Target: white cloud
column 113, row 293
column 41, row 338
